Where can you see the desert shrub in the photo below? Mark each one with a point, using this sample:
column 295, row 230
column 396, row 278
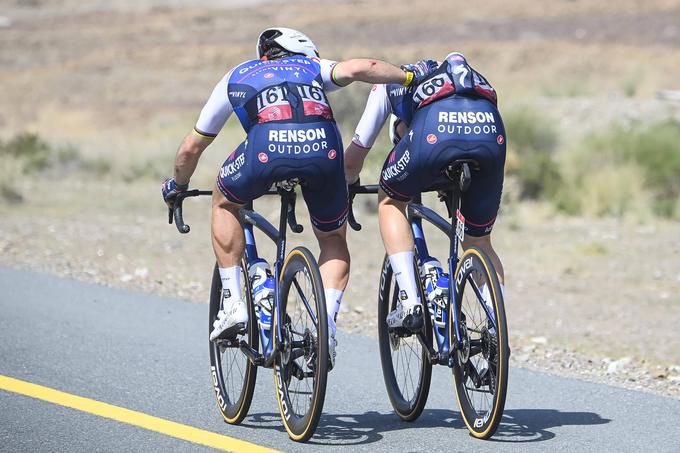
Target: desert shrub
column 621, row 169
column 30, row 150
column 27, row 154
column 532, row 141
column 149, row 169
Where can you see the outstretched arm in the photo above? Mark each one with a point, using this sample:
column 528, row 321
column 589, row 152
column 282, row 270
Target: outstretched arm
column 368, row 70
column 377, row 71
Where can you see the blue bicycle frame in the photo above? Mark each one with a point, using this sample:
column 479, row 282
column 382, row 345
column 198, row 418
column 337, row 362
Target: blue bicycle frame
column 416, row 214
column 252, row 220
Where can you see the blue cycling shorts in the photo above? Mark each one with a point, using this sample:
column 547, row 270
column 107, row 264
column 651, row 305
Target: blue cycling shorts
column 453, row 128
column 278, row 151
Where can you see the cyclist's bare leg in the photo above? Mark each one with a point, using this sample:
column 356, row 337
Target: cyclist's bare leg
column 334, row 269
column 484, row 243
column 398, row 241
column 333, row 257
column 227, row 234
column 394, row 227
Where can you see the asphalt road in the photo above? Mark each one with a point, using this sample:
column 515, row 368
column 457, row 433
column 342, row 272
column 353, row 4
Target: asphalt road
column 150, row 355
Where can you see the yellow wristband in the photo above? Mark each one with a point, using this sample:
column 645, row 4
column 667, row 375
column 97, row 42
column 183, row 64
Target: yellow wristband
column 409, row 78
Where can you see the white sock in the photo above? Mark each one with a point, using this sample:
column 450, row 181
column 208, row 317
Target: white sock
column 333, row 298
column 486, row 295
column 402, row 266
column 231, row 283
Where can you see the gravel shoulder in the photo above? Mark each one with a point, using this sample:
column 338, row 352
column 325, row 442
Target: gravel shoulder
column 575, row 305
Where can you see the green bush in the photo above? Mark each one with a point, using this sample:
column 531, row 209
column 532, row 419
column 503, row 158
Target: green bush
column 623, row 169
column 532, row 141
column 30, row 150
column 27, row 154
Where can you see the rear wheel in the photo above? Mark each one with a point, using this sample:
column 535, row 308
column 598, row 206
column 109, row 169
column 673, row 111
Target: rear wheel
column 301, row 368
column 233, row 375
column 480, row 363
column 406, row 368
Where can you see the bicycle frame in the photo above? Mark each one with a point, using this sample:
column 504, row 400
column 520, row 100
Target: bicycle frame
column 251, row 220
column 416, row 213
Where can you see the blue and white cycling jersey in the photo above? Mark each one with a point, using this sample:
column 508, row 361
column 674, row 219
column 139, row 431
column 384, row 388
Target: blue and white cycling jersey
column 451, row 115
column 289, row 89
column 454, row 76
column 283, row 108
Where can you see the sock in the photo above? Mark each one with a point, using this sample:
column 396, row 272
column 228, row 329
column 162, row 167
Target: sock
column 486, row 295
column 231, row 284
column 333, row 298
column 402, row 266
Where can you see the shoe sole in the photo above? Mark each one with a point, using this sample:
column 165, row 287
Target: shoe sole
column 231, row 332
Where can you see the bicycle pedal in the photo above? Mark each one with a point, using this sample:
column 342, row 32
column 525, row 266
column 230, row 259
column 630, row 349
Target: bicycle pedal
column 231, row 333
column 400, row 331
column 227, row 343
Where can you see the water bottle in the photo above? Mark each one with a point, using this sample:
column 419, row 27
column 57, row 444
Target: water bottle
column 263, row 285
column 436, row 284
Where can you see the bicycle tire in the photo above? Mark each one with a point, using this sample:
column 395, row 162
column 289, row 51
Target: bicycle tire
column 407, row 407
column 313, row 359
column 483, row 362
column 234, row 394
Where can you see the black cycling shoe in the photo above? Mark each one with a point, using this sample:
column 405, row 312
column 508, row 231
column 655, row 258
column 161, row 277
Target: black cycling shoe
column 414, row 321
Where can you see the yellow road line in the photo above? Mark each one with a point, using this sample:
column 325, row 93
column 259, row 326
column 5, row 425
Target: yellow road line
column 159, row 425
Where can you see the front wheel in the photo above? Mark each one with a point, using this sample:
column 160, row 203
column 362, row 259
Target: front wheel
column 301, row 368
column 480, row 358
column 405, row 364
column 233, row 375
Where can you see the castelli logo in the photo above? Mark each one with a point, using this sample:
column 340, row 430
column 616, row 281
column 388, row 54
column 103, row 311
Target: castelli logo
column 500, row 139
column 431, row 139
column 269, row 75
column 374, row 87
column 332, row 154
column 263, row 158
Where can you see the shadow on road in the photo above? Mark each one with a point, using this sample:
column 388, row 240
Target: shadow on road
column 359, row 429
column 533, row 425
column 519, row 425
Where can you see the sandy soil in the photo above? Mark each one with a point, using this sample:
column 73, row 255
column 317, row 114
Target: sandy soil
column 587, row 298
column 596, row 299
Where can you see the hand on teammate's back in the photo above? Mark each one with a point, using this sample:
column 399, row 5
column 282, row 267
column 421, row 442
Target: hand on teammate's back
column 421, row 70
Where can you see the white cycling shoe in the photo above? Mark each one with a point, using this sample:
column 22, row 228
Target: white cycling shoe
column 231, row 321
column 332, row 343
column 410, row 318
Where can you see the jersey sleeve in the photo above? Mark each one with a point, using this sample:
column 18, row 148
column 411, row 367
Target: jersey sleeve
column 327, row 67
column 215, row 112
column 378, row 108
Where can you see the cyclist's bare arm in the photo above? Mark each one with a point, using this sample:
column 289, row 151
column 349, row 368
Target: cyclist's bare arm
column 354, row 161
column 214, row 114
column 375, row 113
column 367, row 70
column 187, row 157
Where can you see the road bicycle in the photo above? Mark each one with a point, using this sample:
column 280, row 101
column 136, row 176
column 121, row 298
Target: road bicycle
column 295, row 340
column 465, row 331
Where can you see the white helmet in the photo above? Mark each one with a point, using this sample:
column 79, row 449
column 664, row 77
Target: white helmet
column 289, row 40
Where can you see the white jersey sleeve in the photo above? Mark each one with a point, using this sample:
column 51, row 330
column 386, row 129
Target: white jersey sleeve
column 327, row 67
column 216, row 111
column 378, row 108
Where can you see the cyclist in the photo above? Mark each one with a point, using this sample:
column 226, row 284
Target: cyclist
column 452, row 115
column 280, row 100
